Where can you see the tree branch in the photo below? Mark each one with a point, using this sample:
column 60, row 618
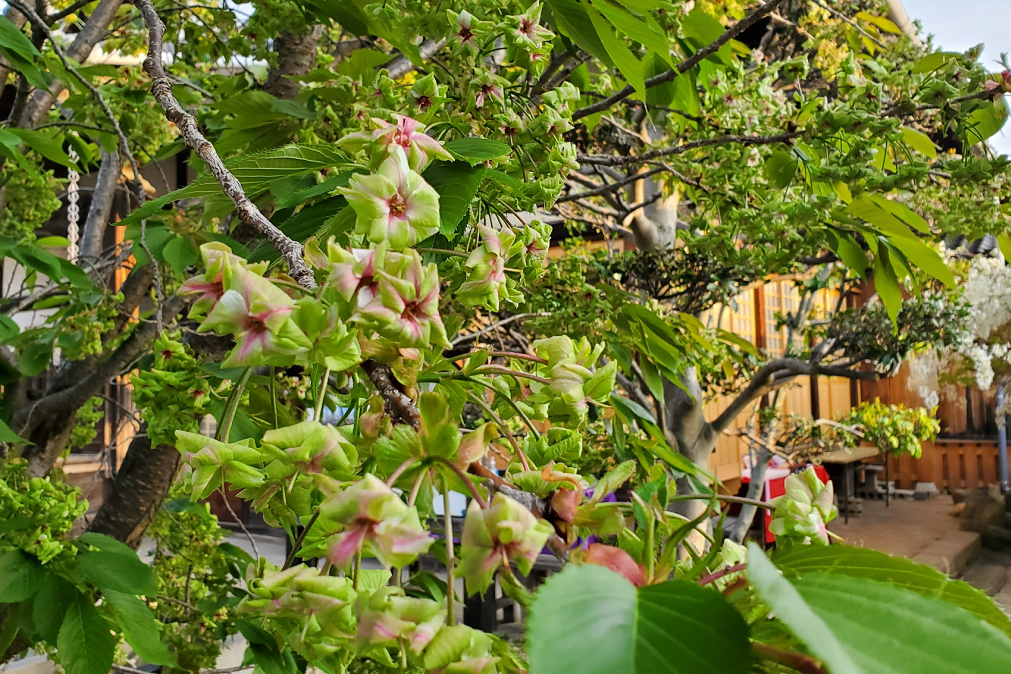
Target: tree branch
column 685, row 65
column 776, row 373
column 93, row 236
column 615, row 160
column 248, row 213
column 401, row 65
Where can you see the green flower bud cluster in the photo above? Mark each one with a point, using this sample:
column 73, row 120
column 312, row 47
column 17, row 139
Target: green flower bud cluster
column 37, row 512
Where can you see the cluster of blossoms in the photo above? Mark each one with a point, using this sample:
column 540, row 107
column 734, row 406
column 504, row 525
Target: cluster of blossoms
column 803, row 512
column 983, row 350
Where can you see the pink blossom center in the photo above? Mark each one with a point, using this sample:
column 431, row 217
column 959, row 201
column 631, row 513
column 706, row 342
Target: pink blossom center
column 527, row 27
column 397, row 205
column 465, row 34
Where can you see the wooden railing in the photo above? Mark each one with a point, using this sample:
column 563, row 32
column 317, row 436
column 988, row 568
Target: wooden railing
column 950, row 464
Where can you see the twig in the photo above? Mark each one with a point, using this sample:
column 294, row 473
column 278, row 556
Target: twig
column 494, row 326
column 742, row 139
column 301, row 537
column 716, row 575
column 248, row 213
column 611, row 187
column 228, row 507
column 839, row 15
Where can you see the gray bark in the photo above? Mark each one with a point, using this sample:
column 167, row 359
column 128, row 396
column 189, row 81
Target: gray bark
column 296, row 55
column 93, row 236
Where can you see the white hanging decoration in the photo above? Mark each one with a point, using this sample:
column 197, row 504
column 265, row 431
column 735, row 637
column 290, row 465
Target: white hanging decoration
column 73, row 210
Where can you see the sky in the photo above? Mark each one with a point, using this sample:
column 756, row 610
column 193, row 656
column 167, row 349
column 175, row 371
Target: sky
column 958, row 25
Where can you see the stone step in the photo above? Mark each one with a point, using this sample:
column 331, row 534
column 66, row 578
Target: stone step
column 991, row 578
column 953, row 553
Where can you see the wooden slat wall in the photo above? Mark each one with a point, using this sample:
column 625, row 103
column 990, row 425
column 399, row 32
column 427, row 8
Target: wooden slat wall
column 739, row 317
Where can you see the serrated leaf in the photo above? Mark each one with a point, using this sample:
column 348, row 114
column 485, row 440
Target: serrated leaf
column 457, row 185
column 119, row 572
column 50, row 606
column 140, row 629
column 85, row 642
column 799, row 560
column 21, row 576
column 919, row 141
column 626, row 62
column 477, row 149
column 638, row 29
column 594, row 617
column 571, row 20
column 255, row 170
column 925, row 258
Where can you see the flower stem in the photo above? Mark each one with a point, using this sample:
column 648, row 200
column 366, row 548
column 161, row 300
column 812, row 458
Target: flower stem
column 450, row 581
column 716, row 575
column 519, row 356
column 442, row 251
column 510, row 401
column 232, row 405
column 358, row 566
column 322, row 395
column 466, row 480
column 505, row 430
column 496, row 369
column 298, row 541
column 395, row 475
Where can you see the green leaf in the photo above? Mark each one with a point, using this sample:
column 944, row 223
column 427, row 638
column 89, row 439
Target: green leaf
column 887, row 285
column 9, row 436
column 477, row 149
column 21, row 576
column 800, row 560
column 571, row 20
column 702, row 29
column 626, row 62
column 106, row 543
column 932, row 62
column 117, row 571
column 639, row 29
column 22, row 54
column 919, row 141
column 850, row 252
column 986, row 120
column 925, row 258
column 1004, row 242
column 782, row 597
column 34, row 358
column 862, row 626
column 85, row 642
column 780, row 168
column 654, row 381
column 140, row 629
column 591, row 620
column 370, row 580
column 51, row 604
column 457, row 185
column 902, row 212
column 257, row 171
column 880, row 218
column 47, row 146
column 180, row 253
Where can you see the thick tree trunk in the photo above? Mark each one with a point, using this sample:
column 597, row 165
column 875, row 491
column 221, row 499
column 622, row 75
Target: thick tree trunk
column 296, row 55
column 139, row 490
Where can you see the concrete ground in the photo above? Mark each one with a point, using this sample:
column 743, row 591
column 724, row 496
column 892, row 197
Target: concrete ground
column 924, row 531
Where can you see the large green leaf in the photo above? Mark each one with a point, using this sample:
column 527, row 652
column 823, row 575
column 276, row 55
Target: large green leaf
column 875, row 565
column 140, row 628
column 571, row 20
column 780, row 168
column 860, row 626
column 886, row 283
column 85, row 643
column 21, row 576
column 50, row 606
column 925, row 258
column 117, row 571
column 257, row 171
column 457, row 184
column 477, row 149
column 21, row 53
column 641, row 29
column 986, row 120
column 592, row 620
column 626, row 62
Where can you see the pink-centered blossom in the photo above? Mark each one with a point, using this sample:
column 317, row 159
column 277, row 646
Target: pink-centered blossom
column 395, row 204
column 406, row 308
column 258, row 314
column 405, row 133
column 374, row 519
